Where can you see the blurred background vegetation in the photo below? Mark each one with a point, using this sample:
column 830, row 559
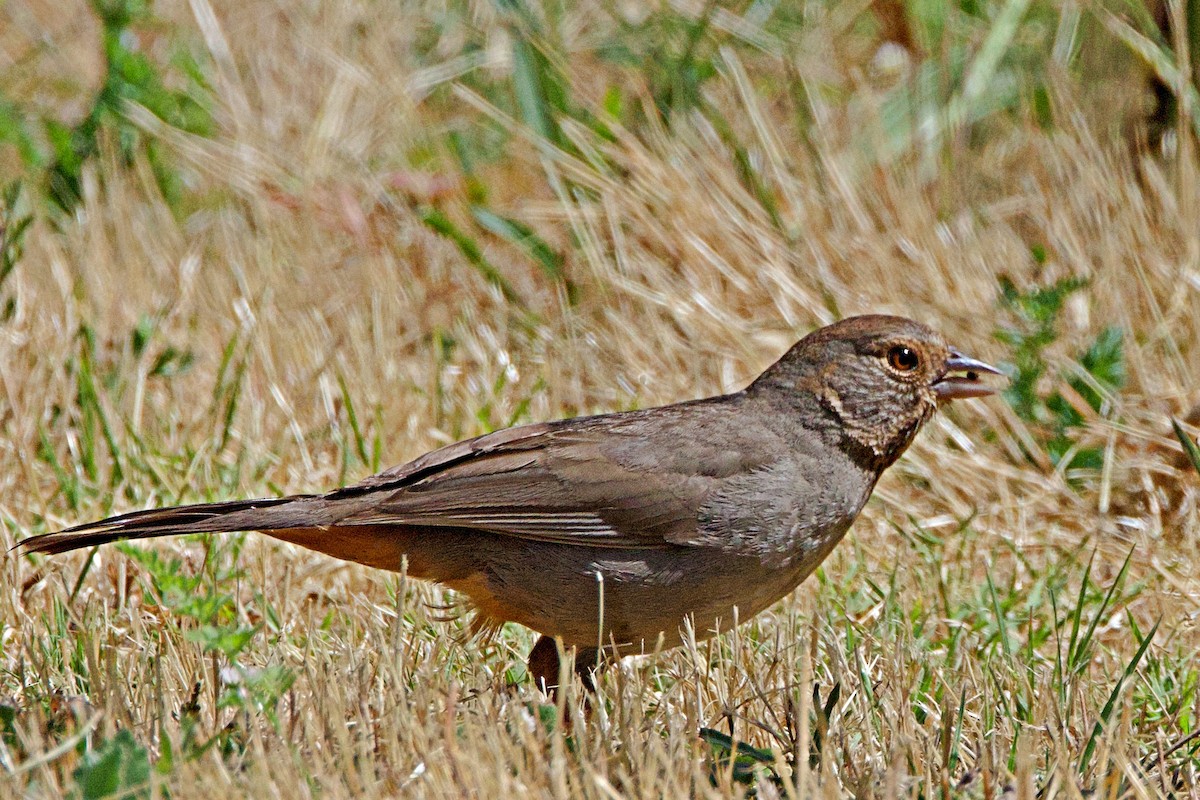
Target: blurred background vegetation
column 915, row 85
column 919, row 79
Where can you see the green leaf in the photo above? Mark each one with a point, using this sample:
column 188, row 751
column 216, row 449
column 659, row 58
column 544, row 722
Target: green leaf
column 744, row 761
column 1104, row 360
column 141, row 335
column 8, row 726
column 15, row 128
column 259, row 689
column 614, row 102
column 171, row 362
column 116, row 770
column 723, row 742
column 229, row 640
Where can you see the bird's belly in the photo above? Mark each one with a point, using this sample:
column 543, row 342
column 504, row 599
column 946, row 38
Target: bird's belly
column 631, row 597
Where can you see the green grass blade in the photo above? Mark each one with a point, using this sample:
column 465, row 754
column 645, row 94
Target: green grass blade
column 92, row 410
column 360, row 443
column 530, row 90
column 523, row 237
column 444, row 226
column 83, row 572
column 1161, row 60
column 1189, row 447
column 1107, row 711
column 998, row 42
column 1077, row 616
column 1001, row 622
column 979, row 84
column 1059, row 672
column 68, row 483
column 1086, row 641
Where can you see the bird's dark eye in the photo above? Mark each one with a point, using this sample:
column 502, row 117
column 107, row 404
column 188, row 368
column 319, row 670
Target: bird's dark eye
column 903, row 359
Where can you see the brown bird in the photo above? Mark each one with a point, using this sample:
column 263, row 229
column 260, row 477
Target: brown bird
column 606, row 532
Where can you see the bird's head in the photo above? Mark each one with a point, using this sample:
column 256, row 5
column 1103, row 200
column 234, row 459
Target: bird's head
column 878, row 379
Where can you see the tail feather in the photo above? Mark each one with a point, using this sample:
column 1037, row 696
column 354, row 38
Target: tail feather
column 296, row 511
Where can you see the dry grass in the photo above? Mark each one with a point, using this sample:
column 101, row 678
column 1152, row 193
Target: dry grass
column 302, row 263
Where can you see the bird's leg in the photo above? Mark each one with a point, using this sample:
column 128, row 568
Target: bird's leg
column 545, row 666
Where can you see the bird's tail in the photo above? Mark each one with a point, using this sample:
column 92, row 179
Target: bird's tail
column 272, row 514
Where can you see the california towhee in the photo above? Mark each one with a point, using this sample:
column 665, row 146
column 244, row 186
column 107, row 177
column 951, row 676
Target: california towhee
column 608, row 531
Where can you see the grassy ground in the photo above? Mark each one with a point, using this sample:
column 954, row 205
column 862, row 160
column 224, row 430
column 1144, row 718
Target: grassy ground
column 322, row 238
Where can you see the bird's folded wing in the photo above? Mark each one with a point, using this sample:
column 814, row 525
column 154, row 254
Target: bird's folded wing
column 619, row 486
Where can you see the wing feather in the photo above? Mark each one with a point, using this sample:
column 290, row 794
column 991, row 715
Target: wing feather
column 609, row 482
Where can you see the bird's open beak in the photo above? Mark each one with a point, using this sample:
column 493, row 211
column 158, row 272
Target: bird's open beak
column 962, row 378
